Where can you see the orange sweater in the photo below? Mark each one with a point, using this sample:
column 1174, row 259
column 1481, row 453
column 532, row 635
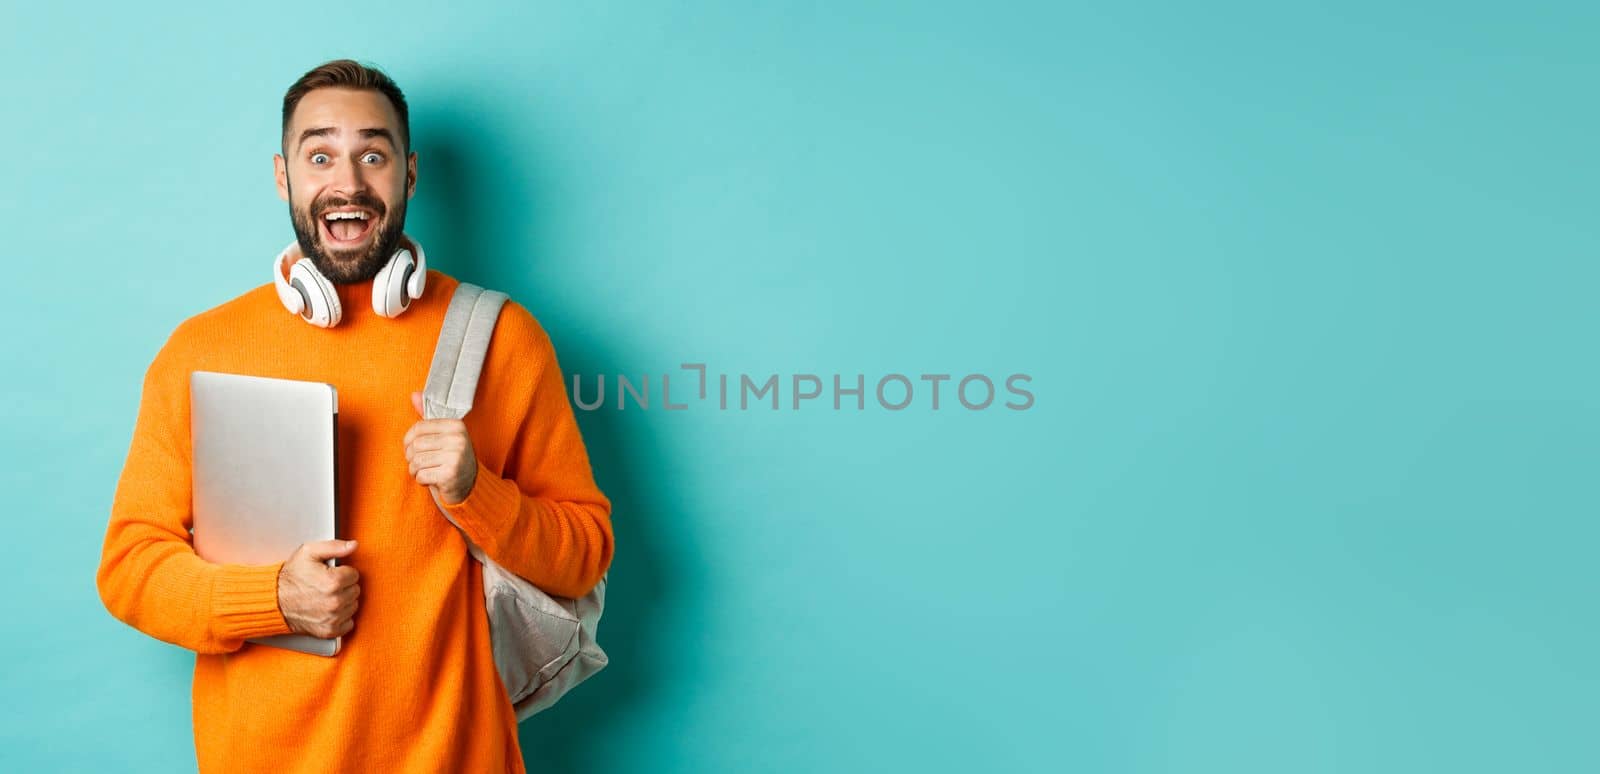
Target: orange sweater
column 414, row 687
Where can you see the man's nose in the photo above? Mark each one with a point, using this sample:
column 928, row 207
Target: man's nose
column 347, row 180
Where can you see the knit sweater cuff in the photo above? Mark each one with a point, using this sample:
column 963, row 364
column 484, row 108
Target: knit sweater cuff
column 245, row 601
column 492, row 504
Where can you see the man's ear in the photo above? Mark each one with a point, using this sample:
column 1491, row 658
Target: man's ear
column 280, row 171
column 411, row 174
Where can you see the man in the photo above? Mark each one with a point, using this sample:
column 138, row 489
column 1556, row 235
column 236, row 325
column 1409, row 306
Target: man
column 414, row 686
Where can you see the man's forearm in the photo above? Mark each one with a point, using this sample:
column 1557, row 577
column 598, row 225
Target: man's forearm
column 564, row 547
column 160, row 587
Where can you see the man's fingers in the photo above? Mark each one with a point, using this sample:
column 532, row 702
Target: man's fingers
column 336, row 620
column 426, row 443
column 433, row 426
column 316, row 599
column 432, row 476
column 323, row 550
column 345, row 576
column 329, row 631
column 428, row 427
column 429, row 459
column 347, row 610
column 434, row 441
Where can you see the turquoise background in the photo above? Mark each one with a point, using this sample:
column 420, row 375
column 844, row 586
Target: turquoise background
column 1307, row 292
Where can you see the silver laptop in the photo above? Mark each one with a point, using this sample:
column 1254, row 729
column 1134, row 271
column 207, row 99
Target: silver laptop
column 265, row 454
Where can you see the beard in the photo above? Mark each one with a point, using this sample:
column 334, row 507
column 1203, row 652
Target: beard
column 353, row 265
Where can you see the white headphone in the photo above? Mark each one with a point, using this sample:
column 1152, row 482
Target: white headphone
column 305, row 292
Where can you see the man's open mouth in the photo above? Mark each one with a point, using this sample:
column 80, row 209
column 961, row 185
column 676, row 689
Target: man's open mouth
column 347, row 227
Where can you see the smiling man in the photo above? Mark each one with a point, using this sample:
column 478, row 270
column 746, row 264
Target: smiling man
column 414, row 685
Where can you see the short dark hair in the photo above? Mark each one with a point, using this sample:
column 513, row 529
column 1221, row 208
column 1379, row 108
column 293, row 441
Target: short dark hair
column 347, row 74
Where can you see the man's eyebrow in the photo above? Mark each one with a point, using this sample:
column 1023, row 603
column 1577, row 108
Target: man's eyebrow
column 321, row 131
column 380, row 132
column 328, row 131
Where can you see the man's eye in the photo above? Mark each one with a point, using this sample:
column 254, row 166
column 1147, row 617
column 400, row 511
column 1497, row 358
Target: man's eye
column 372, row 158
column 319, row 158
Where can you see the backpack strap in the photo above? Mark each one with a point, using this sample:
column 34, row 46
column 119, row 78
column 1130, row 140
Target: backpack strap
column 458, row 357
column 457, row 362
column 526, row 625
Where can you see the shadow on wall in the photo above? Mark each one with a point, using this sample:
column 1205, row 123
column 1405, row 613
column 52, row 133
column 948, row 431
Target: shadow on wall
column 468, row 200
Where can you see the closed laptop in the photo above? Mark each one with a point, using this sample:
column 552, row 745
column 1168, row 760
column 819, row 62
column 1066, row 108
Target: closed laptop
column 265, row 478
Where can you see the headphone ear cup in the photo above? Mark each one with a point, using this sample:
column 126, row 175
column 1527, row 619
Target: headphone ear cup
column 293, row 300
column 405, row 284
column 389, row 287
column 418, row 279
column 305, row 298
column 321, row 300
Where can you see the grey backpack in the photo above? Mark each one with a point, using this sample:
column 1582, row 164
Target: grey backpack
column 543, row 645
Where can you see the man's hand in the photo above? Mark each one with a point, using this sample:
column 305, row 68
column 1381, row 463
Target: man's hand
column 440, row 455
column 317, row 599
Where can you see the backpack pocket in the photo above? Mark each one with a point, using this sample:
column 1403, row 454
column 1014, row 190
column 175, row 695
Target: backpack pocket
column 534, row 634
